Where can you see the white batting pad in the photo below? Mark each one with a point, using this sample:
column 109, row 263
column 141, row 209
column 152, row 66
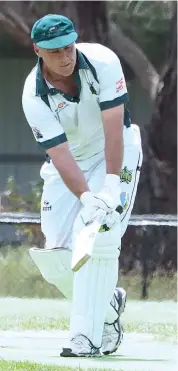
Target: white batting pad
column 55, row 267
column 93, row 288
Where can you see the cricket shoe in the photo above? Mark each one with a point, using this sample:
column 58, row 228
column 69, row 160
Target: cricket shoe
column 81, row 346
column 113, row 332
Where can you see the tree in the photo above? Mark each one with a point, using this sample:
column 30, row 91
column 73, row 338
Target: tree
column 163, row 131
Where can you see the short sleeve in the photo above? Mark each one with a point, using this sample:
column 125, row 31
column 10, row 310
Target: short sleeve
column 113, row 90
column 47, row 130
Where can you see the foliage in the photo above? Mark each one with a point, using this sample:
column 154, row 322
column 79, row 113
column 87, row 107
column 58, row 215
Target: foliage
column 18, row 201
column 154, row 16
column 145, row 22
column 22, row 202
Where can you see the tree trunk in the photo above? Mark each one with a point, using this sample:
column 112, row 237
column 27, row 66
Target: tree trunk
column 94, row 27
column 136, row 59
column 163, row 132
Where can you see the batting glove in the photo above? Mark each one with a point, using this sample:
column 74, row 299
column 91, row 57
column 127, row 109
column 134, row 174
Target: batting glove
column 111, row 191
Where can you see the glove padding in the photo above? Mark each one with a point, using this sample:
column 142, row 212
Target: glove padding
column 108, row 198
column 88, row 215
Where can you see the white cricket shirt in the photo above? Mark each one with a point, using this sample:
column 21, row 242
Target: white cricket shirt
column 56, row 117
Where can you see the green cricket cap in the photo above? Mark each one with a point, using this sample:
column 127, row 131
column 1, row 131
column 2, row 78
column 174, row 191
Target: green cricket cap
column 53, row 31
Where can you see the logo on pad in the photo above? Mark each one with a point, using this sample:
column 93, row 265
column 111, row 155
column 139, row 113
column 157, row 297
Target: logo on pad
column 126, row 175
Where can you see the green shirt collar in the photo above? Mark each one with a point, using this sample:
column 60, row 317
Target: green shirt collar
column 41, row 86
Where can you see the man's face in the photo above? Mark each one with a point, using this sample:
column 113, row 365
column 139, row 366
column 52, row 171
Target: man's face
column 61, row 61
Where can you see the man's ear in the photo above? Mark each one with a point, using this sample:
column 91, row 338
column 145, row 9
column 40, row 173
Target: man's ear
column 36, row 49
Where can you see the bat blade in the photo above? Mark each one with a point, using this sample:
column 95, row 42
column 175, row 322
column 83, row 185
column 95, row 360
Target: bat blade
column 84, row 242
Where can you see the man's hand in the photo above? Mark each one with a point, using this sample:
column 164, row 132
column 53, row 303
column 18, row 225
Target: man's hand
column 110, row 192
column 96, row 201
column 108, row 199
column 94, row 208
column 97, row 215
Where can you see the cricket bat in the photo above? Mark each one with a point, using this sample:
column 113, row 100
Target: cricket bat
column 84, row 241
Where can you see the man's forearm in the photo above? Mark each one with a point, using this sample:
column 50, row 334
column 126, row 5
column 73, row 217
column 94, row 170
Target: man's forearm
column 69, row 171
column 114, row 154
column 113, row 130
column 72, row 175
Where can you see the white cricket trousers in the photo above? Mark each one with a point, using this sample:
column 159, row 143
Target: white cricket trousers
column 59, row 206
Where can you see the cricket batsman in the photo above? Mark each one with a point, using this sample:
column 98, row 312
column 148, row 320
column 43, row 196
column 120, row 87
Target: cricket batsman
column 75, row 101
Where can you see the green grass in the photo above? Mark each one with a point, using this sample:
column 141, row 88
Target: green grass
column 141, row 317
column 27, row 302
column 155, row 318
column 29, row 366
column 19, row 277
column 160, row 331
column 35, row 323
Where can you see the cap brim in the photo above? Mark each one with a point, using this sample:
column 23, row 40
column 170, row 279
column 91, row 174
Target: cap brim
column 58, row 42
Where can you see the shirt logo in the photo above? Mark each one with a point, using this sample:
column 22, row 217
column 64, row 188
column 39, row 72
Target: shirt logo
column 37, row 133
column 47, row 206
column 120, row 84
column 62, row 105
column 92, row 88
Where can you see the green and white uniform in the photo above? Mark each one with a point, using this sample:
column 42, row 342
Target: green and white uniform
column 56, row 117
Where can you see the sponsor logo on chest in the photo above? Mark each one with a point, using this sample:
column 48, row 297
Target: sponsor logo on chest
column 62, row 105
